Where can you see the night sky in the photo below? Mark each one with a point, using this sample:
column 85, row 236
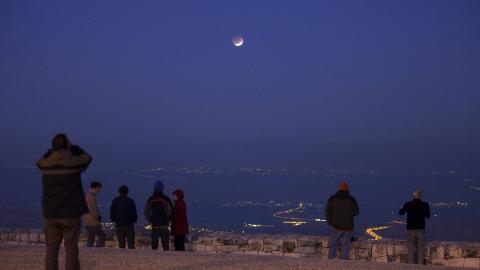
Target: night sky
column 317, row 84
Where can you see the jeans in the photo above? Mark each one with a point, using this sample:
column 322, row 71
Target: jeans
column 98, row 231
column 162, row 233
column 342, row 236
column 415, row 246
column 179, row 240
column 56, row 230
column 125, row 233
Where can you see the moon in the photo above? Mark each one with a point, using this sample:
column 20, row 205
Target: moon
column 237, row 40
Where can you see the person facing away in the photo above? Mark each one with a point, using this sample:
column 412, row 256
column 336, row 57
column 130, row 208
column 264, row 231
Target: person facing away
column 63, row 200
column 416, row 210
column 179, row 220
column 123, row 212
column 92, row 219
column 158, row 212
column 340, row 210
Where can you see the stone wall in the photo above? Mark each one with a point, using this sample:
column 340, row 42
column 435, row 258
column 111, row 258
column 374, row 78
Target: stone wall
column 464, row 254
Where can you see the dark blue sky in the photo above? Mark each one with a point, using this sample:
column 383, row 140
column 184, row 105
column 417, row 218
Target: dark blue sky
column 317, row 84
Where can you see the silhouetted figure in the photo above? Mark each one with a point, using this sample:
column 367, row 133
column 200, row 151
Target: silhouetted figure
column 63, row 201
column 340, row 210
column 416, row 210
column 123, row 212
column 158, row 212
column 93, row 219
column 179, row 220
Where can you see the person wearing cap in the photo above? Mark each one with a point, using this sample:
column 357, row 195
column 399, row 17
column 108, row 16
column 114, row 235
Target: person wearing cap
column 340, row 210
column 416, row 210
column 123, row 212
column 158, row 212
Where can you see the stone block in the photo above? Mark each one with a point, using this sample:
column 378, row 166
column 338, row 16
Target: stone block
column 456, row 262
column 211, row 248
column 41, row 238
column 306, row 242
column 293, row 255
column 472, row 262
column 400, row 250
column 227, row 249
column 251, row 252
column 188, row 247
column 383, row 259
column 379, row 250
column 437, row 252
column 270, row 247
column 199, row 247
column 289, row 246
column 255, row 244
column 277, row 253
column 439, row 262
column 453, row 251
column 471, row 251
column 364, row 254
column 306, row 250
column 390, row 250
column 34, row 236
column 325, row 243
column 272, row 241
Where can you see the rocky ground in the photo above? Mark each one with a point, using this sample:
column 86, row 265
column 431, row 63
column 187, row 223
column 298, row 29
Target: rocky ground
column 29, row 257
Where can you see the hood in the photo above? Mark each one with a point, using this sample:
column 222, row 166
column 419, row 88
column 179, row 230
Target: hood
column 179, row 194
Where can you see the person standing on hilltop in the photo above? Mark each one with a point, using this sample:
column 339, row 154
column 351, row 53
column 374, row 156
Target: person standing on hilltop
column 123, row 212
column 158, row 212
column 63, row 201
column 416, row 210
column 179, row 220
column 340, row 210
column 93, row 219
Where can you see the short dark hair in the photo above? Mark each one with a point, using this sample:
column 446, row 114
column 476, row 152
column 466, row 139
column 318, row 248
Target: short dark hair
column 123, row 190
column 59, row 142
column 95, row 185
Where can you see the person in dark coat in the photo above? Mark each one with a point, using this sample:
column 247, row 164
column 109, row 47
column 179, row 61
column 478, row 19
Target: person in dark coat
column 158, row 212
column 123, row 212
column 179, row 220
column 340, row 210
column 63, row 200
column 416, row 210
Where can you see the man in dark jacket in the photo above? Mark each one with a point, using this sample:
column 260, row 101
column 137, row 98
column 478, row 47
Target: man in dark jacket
column 179, row 220
column 158, row 212
column 416, row 211
column 340, row 210
column 63, row 200
column 123, row 212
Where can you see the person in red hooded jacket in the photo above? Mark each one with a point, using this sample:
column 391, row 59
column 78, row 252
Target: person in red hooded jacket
column 179, row 220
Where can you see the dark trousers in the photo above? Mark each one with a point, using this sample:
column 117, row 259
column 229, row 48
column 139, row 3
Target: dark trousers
column 93, row 231
column 125, row 233
column 416, row 246
column 164, row 235
column 179, row 240
column 56, row 230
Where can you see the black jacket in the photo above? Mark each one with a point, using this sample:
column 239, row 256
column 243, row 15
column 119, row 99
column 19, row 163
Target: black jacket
column 417, row 211
column 158, row 210
column 63, row 195
column 340, row 210
column 123, row 211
